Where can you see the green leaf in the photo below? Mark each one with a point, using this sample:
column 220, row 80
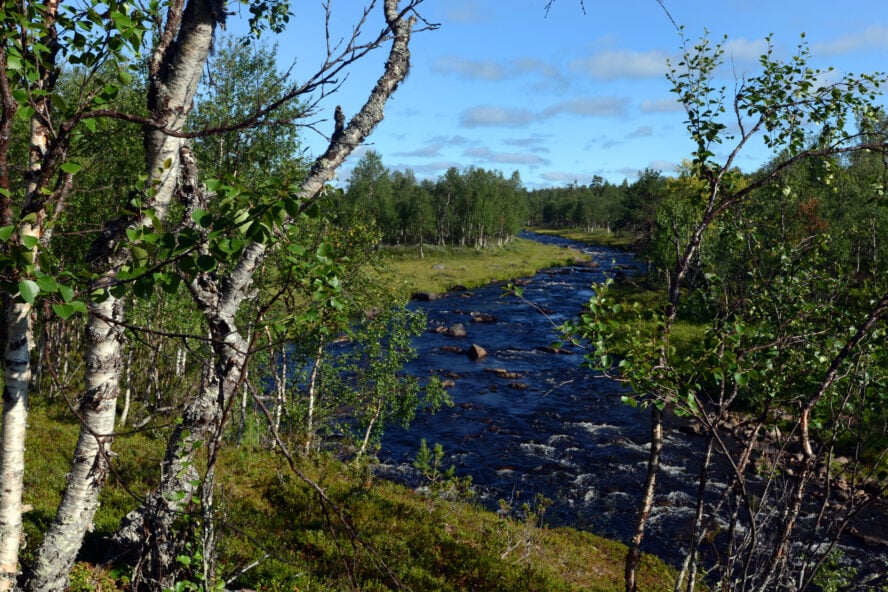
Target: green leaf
column 29, row 290
column 63, row 310
column 71, row 167
column 48, row 284
column 206, row 263
column 67, row 292
column 6, row 232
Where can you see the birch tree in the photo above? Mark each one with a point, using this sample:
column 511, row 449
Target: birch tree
column 772, row 342
column 39, row 40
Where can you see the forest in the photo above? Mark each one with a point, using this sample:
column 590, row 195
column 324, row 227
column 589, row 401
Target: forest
column 176, row 267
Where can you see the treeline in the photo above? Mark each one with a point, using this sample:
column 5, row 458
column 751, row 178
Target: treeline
column 475, row 207
column 479, row 208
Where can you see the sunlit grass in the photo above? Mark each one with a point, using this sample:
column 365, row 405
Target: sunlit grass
column 599, row 236
column 441, row 268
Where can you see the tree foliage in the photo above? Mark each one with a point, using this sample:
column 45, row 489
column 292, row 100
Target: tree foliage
column 793, row 301
column 475, row 208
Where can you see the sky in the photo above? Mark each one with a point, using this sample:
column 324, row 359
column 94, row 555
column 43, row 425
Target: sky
column 565, row 95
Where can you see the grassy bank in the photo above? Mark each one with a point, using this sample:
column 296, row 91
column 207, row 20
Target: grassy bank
column 650, row 296
column 424, row 542
column 441, row 268
column 599, row 236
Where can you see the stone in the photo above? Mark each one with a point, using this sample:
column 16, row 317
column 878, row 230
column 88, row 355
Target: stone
column 483, row 317
column 425, row 296
column 476, row 352
column 457, row 330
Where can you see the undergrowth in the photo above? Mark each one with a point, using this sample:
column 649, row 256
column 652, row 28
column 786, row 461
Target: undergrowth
column 404, row 539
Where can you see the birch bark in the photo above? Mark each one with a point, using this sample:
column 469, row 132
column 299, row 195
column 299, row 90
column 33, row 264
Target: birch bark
column 174, row 71
column 19, row 324
column 220, row 299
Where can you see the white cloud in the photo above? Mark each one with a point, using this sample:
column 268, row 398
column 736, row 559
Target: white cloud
column 470, row 69
column 590, row 107
column 487, row 155
column 669, row 105
column 430, row 150
column 493, row 71
column 563, row 178
column 744, row 50
column 617, row 64
column 644, row 131
column 465, row 12
column 492, row 116
column 534, row 143
column 873, row 37
column 665, row 166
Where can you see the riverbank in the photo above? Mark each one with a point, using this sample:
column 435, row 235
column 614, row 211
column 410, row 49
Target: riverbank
column 408, row 538
column 438, row 269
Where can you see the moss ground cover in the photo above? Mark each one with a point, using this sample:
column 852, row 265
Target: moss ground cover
column 425, row 543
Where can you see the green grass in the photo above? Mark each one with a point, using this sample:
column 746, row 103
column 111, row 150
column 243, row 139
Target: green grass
column 442, row 268
column 599, row 237
column 426, row 543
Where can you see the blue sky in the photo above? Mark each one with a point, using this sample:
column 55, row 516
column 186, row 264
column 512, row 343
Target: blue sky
column 569, row 95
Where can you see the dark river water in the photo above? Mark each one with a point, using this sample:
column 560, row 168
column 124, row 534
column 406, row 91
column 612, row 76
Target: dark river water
column 531, row 420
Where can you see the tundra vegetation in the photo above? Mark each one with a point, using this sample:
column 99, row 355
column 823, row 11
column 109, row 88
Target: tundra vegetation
column 174, row 268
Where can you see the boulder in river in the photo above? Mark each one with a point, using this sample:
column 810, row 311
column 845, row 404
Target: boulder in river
column 553, row 350
column 457, row 330
column 503, row 373
column 425, row 296
column 476, row 352
column 483, row 317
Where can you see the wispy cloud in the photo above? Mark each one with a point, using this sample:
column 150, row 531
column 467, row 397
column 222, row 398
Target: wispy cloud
column 494, row 71
column 873, row 37
column 492, row 116
column 535, row 143
column 670, row 105
column 589, row 107
column 523, row 158
column 470, row 69
column 744, row 50
column 644, row 131
column 619, row 64
column 666, row 166
column 563, row 178
column 465, row 12
column 433, row 146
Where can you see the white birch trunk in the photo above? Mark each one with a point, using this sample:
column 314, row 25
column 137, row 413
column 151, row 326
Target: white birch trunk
column 12, row 454
column 19, row 339
column 175, row 70
column 90, row 465
column 220, row 300
column 312, row 392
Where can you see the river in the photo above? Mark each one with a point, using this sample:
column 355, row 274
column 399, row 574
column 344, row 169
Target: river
column 528, row 419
